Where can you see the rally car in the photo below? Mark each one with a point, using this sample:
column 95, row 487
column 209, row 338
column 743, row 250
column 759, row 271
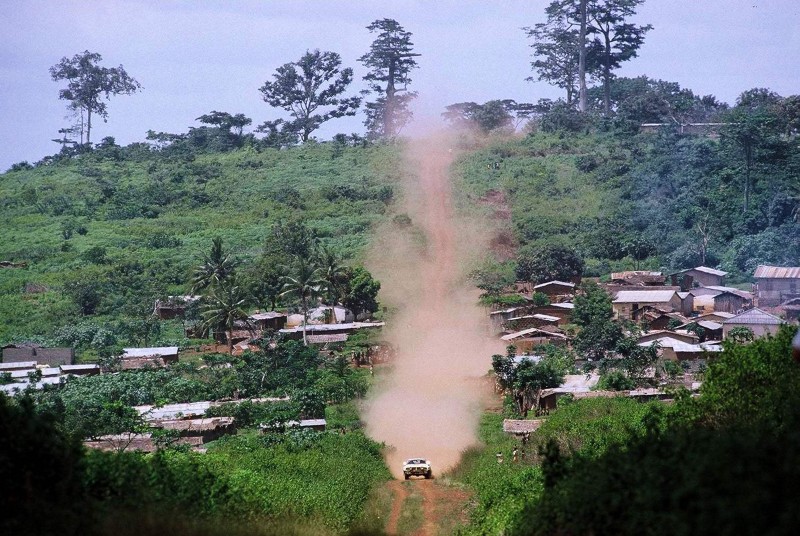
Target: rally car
column 417, row 467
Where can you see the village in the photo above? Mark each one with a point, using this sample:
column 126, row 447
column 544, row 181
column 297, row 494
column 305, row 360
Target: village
column 685, row 315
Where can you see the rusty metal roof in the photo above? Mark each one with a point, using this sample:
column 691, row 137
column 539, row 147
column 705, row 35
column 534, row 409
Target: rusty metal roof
column 777, row 272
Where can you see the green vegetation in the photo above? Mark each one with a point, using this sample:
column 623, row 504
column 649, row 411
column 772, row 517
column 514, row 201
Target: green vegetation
column 107, row 232
column 628, row 200
column 724, row 462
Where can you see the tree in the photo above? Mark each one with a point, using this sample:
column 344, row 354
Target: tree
column 603, row 41
column 549, row 263
column 749, row 126
column 332, row 273
column 619, row 40
column 217, row 267
column 224, row 306
column 390, row 60
column 492, row 115
column 305, row 283
column 226, row 122
column 361, row 291
column 88, row 84
column 525, row 380
column 556, row 45
column 310, row 90
column 599, row 334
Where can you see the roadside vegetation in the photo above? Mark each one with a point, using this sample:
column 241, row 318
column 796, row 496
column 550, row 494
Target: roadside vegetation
column 614, row 465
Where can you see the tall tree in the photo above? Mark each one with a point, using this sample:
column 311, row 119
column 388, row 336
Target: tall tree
column 556, row 45
column 390, row 60
column 226, row 122
column 311, row 89
column 305, row 284
column 749, row 127
column 89, row 83
column 619, row 40
column 602, row 41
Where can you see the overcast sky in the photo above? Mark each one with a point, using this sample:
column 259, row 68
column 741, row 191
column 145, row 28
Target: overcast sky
column 195, row 56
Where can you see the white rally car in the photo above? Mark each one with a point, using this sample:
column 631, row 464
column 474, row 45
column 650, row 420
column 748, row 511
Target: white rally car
column 417, row 467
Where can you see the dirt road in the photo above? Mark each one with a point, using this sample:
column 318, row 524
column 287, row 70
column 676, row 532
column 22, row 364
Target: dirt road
column 426, row 508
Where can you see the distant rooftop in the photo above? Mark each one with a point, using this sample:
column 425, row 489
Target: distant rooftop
column 777, row 272
column 754, row 316
column 644, row 296
column 149, row 352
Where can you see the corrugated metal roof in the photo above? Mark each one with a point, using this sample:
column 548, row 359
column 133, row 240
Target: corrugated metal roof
column 732, row 290
column 149, row 352
column 20, row 365
column 777, row 272
column 533, row 332
column 754, row 316
column 554, row 282
column 712, row 271
column 679, row 346
column 565, row 305
column 267, row 316
column 644, row 296
column 537, row 316
column 520, row 426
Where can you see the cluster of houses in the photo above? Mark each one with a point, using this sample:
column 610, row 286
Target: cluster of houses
column 188, row 423
column 687, row 314
column 28, row 365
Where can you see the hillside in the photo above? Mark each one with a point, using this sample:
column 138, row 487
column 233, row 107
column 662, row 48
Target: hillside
column 652, row 201
column 127, row 225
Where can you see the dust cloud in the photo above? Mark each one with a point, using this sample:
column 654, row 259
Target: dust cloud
column 430, row 404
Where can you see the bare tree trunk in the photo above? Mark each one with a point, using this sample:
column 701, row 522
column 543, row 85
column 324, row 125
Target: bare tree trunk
column 582, row 105
column 607, row 79
column 748, row 155
column 88, row 125
column 305, row 321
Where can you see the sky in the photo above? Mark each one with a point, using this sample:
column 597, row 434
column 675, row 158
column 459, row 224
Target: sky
column 195, row 56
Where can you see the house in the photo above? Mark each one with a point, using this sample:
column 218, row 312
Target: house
column 638, row 278
column 790, row 309
column 555, row 289
column 269, row 320
column 573, row 384
column 716, row 316
column 305, row 424
column 701, row 276
column 687, row 303
column 675, row 350
column 296, row 332
column 712, row 331
column 528, row 339
column 628, row 302
column 137, row 442
column 535, row 320
column 190, row 410
column 43, row 356
column 718, row 298
column 656, row 319
column 80, row 370
column 562, row 311
column 759, row 322
column 681, row 336
column 775, row 285
column 136, row 358
column 18, row 365
column 208, row 428
column 173, row 306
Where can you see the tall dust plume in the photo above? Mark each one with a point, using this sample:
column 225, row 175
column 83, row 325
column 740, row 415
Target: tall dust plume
column 430, row 404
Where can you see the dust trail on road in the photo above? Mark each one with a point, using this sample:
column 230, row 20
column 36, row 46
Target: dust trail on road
column 431, row 404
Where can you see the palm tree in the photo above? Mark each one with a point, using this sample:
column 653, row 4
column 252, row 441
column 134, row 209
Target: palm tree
column 332, row 273
column 305, row 283
column 217, row 267
column 224, row 307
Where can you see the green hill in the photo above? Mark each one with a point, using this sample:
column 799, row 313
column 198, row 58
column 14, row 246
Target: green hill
column 130, row 223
